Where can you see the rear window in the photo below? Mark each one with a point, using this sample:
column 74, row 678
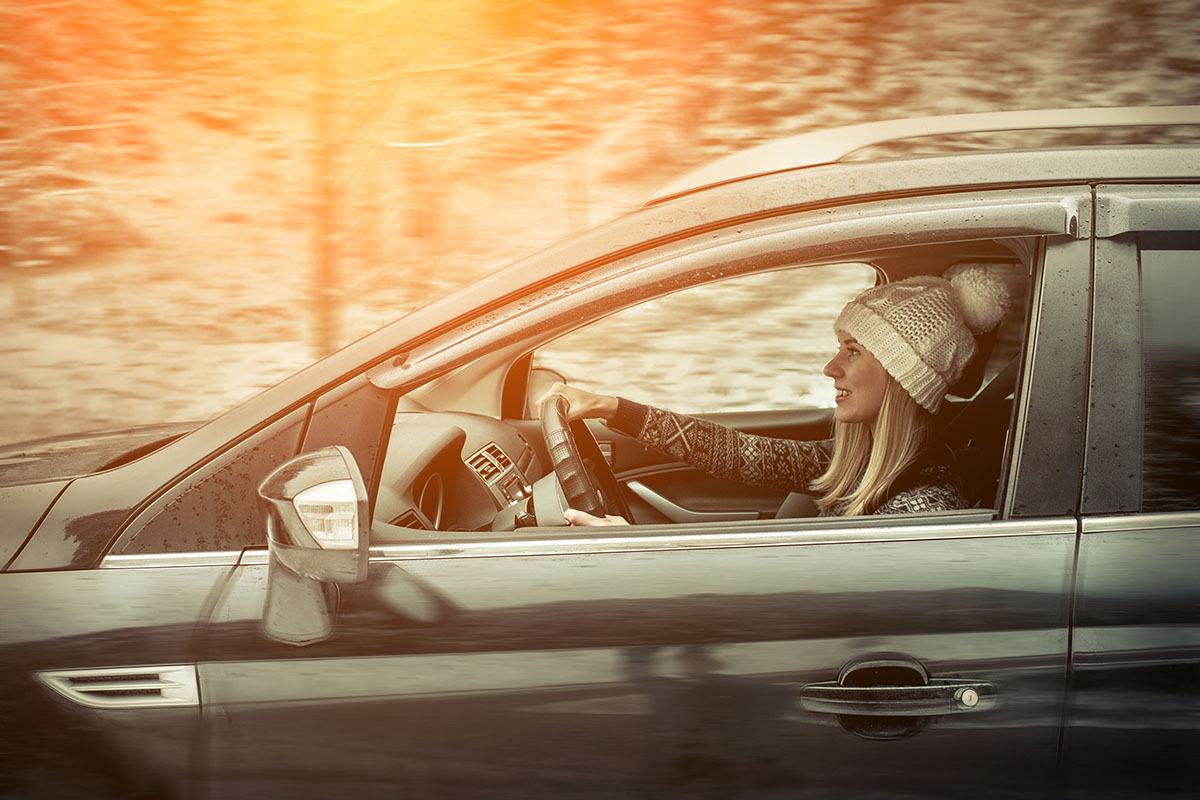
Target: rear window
column 1170, row 273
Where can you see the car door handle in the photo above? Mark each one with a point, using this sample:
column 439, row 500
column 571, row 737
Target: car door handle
column 939, row 696
column 677, row 513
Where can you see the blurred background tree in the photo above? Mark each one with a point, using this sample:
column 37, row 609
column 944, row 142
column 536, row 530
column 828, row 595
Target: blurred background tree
column 219, row 190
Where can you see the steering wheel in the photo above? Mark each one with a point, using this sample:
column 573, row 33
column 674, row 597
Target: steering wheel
column 573, row 449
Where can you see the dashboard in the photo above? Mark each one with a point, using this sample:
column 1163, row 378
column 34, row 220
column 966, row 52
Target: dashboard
column 450, row 471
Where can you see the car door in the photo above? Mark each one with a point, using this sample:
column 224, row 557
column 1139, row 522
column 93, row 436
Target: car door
column 918, row 655
column 1133, row 722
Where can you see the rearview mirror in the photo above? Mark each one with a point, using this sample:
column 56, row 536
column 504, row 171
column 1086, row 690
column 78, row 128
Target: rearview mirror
column 317, row 524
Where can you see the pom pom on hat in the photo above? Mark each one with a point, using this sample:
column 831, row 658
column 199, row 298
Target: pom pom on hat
column 982, row 297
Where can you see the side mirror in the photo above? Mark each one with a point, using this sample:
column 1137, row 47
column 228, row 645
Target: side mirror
column 317, row 520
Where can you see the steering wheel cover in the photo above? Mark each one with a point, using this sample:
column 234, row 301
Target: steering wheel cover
column 568, row 464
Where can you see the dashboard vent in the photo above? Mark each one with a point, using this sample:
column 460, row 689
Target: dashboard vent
column 490, row 462
column 409, row 519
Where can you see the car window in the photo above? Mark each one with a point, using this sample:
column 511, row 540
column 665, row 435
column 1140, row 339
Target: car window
column 755, row 342
column 216, row 507
column 1170, row 273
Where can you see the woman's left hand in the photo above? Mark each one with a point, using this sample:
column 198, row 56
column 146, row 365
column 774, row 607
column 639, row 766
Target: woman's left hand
column 586, row 520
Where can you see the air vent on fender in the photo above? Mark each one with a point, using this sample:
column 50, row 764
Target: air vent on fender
column 126, row 687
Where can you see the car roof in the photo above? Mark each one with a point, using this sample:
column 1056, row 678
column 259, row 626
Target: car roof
column 835, row 144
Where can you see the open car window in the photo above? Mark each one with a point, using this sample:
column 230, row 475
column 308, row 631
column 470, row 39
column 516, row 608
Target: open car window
column 751, row 343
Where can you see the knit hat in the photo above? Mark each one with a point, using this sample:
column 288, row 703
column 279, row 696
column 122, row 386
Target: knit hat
column 922, row 329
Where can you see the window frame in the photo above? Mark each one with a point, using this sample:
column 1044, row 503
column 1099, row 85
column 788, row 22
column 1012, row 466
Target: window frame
column 825, row 235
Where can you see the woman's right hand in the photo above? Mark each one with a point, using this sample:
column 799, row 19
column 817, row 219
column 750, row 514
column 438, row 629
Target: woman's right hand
column 577, row 518
column 583, row 404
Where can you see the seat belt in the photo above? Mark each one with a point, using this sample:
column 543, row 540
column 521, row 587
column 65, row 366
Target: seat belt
column 994, row 393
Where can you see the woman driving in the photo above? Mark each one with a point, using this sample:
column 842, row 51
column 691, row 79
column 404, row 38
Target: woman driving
column 901, row 346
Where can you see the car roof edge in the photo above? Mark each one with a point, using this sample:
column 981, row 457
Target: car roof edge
column 833, row 144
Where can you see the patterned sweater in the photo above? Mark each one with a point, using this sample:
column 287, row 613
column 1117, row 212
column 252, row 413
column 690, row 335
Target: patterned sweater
column 767, row 461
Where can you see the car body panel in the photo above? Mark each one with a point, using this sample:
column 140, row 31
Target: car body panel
column 23, row 507
column 87, row 622
column 1134, row 720
column 654, row 669
column 79, row 454
column 1113, row 457
column 1050, row 417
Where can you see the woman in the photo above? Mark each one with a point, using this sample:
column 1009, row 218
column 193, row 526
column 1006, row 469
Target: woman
column 900, row 348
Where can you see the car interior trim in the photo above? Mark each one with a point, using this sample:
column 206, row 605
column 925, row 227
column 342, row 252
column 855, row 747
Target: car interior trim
column 1005, row 493
column 677, row 513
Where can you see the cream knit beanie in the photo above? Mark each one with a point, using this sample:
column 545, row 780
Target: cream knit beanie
column 922, row 329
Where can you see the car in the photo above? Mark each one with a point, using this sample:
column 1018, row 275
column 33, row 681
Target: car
column 359, row 582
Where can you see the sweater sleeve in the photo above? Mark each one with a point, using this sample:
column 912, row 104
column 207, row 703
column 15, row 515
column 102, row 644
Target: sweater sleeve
column 726, row 453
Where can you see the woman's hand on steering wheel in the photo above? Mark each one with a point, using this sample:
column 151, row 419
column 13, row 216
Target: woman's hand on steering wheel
column 582, row 404
column 584, row 475
column 586, row 520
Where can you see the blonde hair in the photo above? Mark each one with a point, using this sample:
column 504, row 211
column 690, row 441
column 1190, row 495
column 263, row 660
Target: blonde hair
column 864, row 464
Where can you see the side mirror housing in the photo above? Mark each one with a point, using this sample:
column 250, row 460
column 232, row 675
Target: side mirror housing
column 315, row 509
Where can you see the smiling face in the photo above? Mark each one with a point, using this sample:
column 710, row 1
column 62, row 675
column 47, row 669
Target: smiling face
column 860, row 381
